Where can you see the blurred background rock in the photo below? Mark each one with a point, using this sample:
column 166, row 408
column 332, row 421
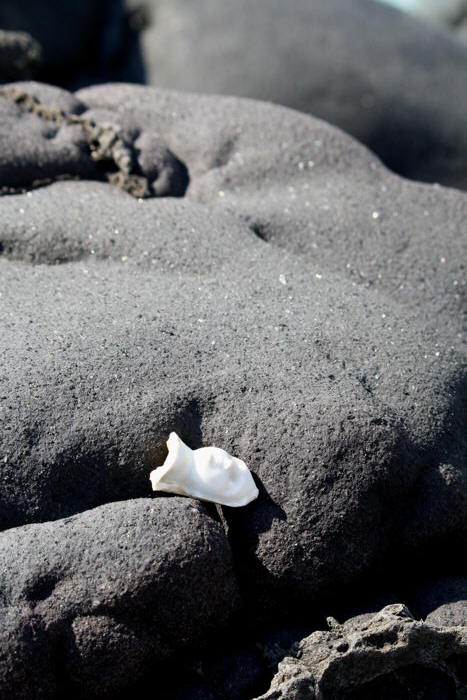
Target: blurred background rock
column 82, row 41
column 20, row 56
column 397, row 84
column 451, row 14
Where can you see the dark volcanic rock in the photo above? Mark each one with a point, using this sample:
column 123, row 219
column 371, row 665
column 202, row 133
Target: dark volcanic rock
column 54, row 142
column 83, row 41
column 442, row 602
column 390, row 655
column 19, row 56
column 299, row 307
column 114, row 589
column 232, row 674
column 396, row 84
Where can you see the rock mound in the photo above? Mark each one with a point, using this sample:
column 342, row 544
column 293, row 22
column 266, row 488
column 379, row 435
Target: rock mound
column 300, row 306
column 89, row 602
column 396, row 84
column 389, row 655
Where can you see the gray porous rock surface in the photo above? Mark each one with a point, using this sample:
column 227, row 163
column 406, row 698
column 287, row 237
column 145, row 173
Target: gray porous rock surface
column 88, row 602
column 300, row 306
column 392, row 81
column 365, row 659
column 56, row 142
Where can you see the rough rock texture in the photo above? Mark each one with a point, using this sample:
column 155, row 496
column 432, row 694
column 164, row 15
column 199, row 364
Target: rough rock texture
column 55, row 142
column 19, row 56
column 365, row 659
column 300, row 307
column 90, row 601
column 396, row 84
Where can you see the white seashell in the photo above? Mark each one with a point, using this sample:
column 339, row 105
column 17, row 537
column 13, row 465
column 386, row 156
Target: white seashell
column 209, row 473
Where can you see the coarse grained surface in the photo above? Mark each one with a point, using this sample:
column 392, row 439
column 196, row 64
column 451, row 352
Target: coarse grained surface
column 395, row 83
column 53, row 141
column 89, row 601
column 299, row 307
column 389, row 655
